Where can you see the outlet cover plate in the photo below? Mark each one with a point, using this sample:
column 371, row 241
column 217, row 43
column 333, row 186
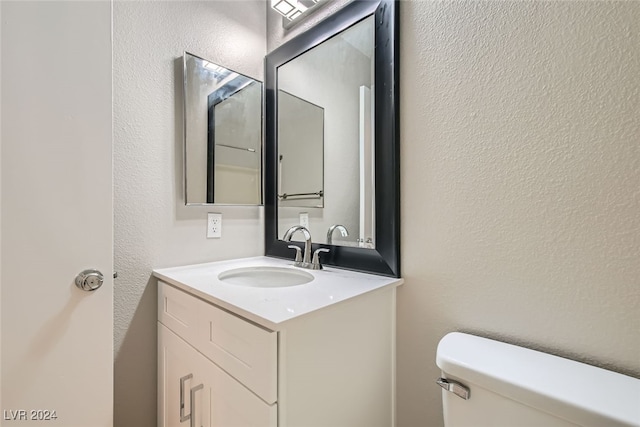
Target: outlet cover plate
column 214, row 225
column 304, row 219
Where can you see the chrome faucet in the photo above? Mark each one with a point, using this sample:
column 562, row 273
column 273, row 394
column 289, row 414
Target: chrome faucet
column 304, row 262
column 341, row 228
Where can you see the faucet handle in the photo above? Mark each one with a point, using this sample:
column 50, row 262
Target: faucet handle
column 298, row 259
column 315, row 263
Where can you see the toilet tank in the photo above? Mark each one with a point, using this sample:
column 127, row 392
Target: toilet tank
column 511, row 386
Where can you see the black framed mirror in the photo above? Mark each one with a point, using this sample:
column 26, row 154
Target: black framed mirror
column 381, row 253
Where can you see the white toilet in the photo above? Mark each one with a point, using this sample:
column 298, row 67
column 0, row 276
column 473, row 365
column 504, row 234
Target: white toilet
column 490, row 383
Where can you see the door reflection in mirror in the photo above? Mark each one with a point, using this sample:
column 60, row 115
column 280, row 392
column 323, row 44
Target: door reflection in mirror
column 300, row 152
column 223, row 135
column 337, row 76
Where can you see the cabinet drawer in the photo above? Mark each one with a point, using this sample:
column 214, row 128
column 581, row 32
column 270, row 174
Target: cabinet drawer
column 246, row 351
column 177, row 310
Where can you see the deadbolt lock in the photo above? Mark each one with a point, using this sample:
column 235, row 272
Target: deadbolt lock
column 89, row 280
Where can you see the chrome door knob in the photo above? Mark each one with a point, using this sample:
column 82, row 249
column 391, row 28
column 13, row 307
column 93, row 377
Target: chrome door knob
column 89, row 280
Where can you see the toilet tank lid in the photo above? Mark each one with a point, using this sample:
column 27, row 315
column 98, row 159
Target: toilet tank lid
column 577, row 392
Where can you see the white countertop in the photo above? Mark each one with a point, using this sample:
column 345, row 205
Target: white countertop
column 270, row 307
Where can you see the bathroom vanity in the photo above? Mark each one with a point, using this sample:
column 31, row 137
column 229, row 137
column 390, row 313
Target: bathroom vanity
column 235, row 352
column 258, row 341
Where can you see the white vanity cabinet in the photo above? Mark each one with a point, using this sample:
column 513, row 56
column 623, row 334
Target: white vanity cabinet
column 199, row 391
column 330, row 367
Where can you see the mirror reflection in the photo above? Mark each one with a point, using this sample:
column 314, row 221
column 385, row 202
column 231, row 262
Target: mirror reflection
column 223, row 134
column 300, row 152
column 331, row 171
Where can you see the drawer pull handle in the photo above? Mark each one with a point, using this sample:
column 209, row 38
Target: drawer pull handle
column 195, row 389
column 183, row 417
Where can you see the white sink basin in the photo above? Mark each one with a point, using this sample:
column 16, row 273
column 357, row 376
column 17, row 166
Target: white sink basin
column 265, row 277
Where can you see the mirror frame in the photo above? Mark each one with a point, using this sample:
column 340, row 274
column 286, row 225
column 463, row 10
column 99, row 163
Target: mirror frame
column 385, row 258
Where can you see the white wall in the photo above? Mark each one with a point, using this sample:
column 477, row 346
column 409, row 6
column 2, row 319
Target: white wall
column 152, row 227
column 520, row 178
column 520, row 165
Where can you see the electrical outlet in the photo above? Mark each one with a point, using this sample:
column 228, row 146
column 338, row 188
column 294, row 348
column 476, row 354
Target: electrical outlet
column 214, row 225
column 304, row 220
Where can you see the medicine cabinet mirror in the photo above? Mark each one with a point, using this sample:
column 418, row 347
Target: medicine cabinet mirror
column 222, row 134
column 331, row 142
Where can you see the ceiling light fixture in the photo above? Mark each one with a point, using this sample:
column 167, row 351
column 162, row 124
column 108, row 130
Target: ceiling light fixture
column 295, row 10
column 300, row 8
column 284, row 7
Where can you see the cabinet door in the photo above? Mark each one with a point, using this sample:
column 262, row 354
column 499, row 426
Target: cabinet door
column 218, row 399
column 232, row 404
column 182, row 384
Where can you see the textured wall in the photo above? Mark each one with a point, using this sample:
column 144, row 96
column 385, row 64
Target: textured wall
column 152, row 227
column 520, row 184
